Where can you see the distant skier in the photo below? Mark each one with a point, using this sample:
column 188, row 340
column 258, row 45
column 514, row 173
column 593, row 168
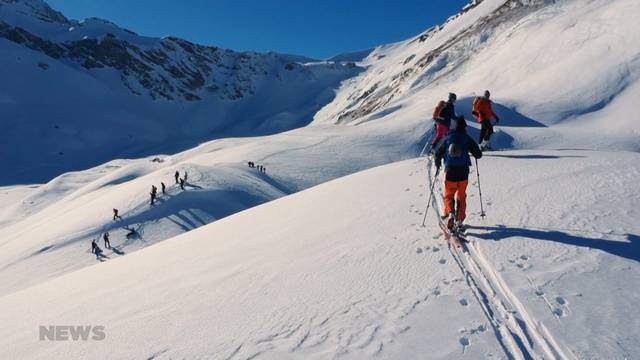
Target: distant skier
column 95, row 249
column 133, row 233
column 154, row 193
column 455, row 150
column 115, row 214
column 483, row 112
column 442, row 115
column 177, row 176
column 264, row 169
column 107, row 243
column 164, row 188
column 182, row 184
column 185, row 176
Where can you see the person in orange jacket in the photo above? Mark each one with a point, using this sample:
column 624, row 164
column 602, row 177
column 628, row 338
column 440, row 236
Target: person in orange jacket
column 483, row 112
column 455, row 151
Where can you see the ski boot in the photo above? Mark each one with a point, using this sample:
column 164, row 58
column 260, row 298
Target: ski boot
column 450, row 221
column 459, row 227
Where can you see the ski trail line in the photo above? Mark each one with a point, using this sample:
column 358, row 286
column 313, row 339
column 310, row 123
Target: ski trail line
column 519, row 334
column 535, row 328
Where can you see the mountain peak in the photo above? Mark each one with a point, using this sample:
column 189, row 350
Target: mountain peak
column 37, row 8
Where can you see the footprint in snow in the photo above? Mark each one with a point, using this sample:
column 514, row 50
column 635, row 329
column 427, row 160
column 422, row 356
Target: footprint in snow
column 539, row 292
column 436, row 249
column 558, row 312
column 464, row 342
column 463, row 302
column 436, row 292
column 407, row 189
column 419, row 250
column 561, row 300
column 524, row 257
column 443, row 261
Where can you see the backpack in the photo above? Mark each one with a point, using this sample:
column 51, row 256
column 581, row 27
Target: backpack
column 457, row 150
column 436, row 112
column 475, row 108
column 454, row 151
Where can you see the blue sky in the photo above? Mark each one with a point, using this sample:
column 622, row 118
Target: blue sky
column 316, row 28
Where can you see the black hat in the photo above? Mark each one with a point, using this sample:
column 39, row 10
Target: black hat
column 460, row 123
column 452, row 96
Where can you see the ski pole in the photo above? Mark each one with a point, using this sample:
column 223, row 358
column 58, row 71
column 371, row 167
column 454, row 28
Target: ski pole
column 433, row 183
column 482, row 214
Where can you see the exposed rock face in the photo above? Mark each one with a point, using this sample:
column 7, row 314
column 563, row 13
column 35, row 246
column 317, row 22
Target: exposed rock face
column 168, row 68
column 438, row 62
column 88, row 91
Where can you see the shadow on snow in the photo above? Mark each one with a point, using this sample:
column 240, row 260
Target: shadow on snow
column 629, row 249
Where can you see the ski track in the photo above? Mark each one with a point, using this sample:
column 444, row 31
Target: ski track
column 520, row 335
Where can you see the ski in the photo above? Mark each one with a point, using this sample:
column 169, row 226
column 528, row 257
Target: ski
column 454, row 237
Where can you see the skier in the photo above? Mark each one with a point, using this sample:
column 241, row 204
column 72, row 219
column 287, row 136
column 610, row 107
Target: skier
column 177, row 176
column 455, row 150
column 483, row 112
column 107, row 243
column 442, row 115
column 185, row 176
column 154, row 193
column 115, row 214
column 182, row 184
column 164, row 187
column 95, row 249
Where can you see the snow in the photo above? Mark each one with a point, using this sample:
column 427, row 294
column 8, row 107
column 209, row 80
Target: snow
column 324, row 255
column 345, row 269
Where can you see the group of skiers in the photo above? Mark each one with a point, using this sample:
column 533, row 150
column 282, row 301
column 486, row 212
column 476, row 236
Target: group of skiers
column 179, row 180
column 454, row 148
column 260, row 168
column 95, row 249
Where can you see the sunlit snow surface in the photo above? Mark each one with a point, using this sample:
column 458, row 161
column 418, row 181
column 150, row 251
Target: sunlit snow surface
column 340, row 266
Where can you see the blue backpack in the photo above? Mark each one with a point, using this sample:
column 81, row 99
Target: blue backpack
column 457, row 150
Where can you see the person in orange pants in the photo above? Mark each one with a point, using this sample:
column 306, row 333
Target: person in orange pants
column 459, row 190
column 455, row 152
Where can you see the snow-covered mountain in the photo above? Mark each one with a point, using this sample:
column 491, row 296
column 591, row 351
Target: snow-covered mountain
column 556, row 70
column 344, row 269
column 141, row 95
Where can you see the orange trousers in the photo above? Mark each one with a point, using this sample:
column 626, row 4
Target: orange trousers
column 459, row 190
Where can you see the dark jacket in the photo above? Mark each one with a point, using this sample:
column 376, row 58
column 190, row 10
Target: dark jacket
column 457, row 169
column 446, row 114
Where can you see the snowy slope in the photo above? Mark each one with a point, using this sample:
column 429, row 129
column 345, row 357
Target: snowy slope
column 89, row 92
column 345, row 269
column 561, row 66
column 47, row 232
column 342, row 269
column 295, row 160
